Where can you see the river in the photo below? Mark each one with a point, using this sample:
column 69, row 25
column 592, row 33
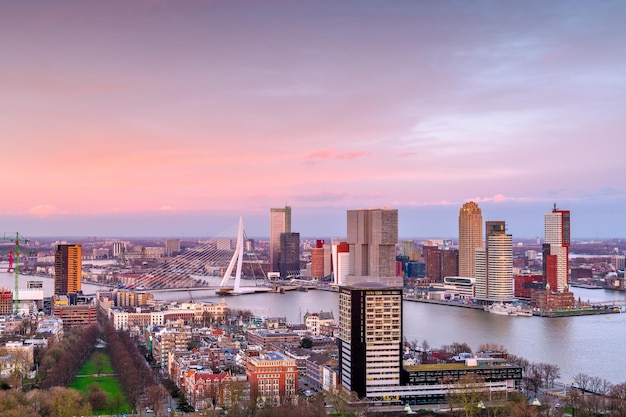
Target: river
column 584, row 344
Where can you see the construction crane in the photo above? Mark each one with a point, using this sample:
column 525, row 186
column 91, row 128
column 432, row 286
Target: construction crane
column 14, row 266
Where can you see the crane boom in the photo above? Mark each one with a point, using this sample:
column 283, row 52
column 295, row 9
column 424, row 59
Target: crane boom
column 15, row 257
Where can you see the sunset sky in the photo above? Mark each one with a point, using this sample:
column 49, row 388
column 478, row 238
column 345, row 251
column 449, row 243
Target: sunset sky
column 174, row 118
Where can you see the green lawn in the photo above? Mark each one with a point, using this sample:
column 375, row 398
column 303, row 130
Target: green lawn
column 107, row 382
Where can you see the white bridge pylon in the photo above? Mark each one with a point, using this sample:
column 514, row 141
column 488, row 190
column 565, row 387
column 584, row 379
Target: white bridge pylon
column 237, row 258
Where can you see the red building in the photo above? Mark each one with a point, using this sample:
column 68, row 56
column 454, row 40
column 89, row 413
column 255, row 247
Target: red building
column 441, row 263
column 524, row 284
column 317, row 260
column 6, row 301
column 273, row 379
column 205, row 389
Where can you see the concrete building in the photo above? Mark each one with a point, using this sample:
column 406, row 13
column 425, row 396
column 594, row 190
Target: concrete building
column 370, row 338
column 68, row 267
column 556, row 249
column 372, row 236
column 494, row 264
column 280, row 222
column 172, row 247
column 470, row 238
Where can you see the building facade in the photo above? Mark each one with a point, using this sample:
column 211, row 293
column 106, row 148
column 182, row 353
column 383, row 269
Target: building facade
column 470, row 238
column 556, row 249
column 273, row 379
column 280, row 222
column 372, row 236
column 289, row 264
column 67, row 269
column 370, row 338
column 494, row 264
column 341, row 262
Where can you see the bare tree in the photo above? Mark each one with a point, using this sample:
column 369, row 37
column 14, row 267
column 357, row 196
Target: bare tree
column 467, row 393
column 551, row 373
column 492, row 347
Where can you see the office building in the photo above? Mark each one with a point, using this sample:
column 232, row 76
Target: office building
column 317, row 260
column 494, row 264
column 273, row 379
column 172, row 247
column 470, row 238
column 67, row 269
column 370, row 338
column 280, row 222
column 289, row 263
column 341, row 262
column 372, row 236
column 556, row 249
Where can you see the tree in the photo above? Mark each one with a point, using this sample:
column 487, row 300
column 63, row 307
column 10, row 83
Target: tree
column 63, row 402
column 457, row 348
column 306, row 343
column 154, row 396
column 99, row 361
column 492, row 347
column 98, row 399
column 467, row 393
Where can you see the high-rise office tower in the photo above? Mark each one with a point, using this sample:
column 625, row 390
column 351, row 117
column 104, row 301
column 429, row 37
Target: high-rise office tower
column 317, row 260
column 280, row 222
column 372, row 236
column 172, row 247
column 341, row 262
column 68, row 268
column 470, row 238
column 289, row 263
column 370, row 338
column 494, row 264
column 556, row 249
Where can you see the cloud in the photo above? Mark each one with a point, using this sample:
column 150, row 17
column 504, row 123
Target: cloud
column 44, row 210
column 333, row 154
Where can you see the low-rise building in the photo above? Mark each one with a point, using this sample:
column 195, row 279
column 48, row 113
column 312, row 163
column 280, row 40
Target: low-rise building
column 273, row 379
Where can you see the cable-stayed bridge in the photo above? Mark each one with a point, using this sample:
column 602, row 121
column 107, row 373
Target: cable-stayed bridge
column 237, row 270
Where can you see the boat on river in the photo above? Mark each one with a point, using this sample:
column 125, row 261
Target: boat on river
column 507, row 310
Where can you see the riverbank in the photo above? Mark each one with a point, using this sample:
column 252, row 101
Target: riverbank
column 539, row 313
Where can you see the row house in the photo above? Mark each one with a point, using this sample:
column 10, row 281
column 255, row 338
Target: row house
column 203, row 389
column 315, row 368
column 314, row 321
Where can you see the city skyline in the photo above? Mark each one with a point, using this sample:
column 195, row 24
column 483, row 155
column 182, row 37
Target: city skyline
column 165, row 118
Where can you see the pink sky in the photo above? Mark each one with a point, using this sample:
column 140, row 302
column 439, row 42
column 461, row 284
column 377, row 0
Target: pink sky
column 154, row 117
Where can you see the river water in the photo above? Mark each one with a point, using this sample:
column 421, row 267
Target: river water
column 593, row 345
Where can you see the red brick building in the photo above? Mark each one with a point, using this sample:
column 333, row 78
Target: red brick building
column 273, row 379
column 547, row 299
column 525, row 284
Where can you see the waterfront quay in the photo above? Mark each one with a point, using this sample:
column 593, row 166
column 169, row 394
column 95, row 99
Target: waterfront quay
column 582, row 311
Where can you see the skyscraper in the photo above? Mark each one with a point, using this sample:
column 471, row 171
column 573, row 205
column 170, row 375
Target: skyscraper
column 494, row 264
column 341, row 262
column 372, row 236
column 370, row 338
column 289, row 264
column 68, row 268
column 556, row 249
column 280, row 222
column 470, row 238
